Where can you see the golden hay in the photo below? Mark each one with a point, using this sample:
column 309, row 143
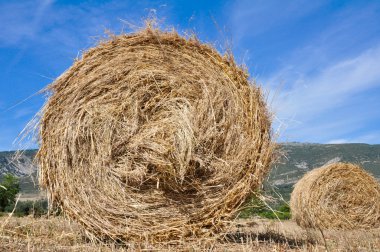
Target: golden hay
column 153, row 137
column 336, row 196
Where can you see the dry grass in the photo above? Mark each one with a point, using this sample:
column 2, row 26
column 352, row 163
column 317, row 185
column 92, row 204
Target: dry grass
column 151, row 137
column 54, row 234
column 337, row 196
column 59, row 234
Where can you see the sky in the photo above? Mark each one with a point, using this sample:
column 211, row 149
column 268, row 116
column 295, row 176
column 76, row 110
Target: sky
column 318, row 61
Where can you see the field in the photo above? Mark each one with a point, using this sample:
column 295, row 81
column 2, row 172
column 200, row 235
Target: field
column 252, row 234
column 59, row 234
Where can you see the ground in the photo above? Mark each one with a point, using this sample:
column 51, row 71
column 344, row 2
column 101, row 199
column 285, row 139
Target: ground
column 59, row 234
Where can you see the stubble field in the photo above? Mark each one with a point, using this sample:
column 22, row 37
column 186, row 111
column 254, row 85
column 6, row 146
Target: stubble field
column 59, row 234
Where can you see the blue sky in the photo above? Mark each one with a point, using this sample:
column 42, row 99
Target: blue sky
column 319, row 61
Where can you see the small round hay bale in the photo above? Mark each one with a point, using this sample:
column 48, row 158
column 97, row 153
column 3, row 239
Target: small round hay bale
column 153, row 137
column 336, row 196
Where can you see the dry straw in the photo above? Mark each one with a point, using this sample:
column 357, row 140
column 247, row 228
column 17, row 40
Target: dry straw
column 337, row 196
column 153, row 137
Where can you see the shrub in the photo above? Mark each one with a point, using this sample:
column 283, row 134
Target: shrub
column 24, row 208
column 256, row 207
column 9, row 188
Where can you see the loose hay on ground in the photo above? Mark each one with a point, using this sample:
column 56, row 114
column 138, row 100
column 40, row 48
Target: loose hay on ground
column 337, row 196
column 153, row 137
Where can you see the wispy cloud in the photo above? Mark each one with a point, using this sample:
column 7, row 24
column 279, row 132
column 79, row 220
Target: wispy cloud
column 252, row 18
column 47, row 28
column 324, row 103
column 337, row 141
column 320, row 64
column 21, row 20
column 47, row 22
column 372, row 137
column 331, row 87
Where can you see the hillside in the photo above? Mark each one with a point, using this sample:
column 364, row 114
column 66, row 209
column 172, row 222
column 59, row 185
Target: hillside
column 297, row 159
column 19, row 164
column 301, row 158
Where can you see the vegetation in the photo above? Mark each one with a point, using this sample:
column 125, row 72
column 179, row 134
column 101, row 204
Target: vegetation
column 257, row 207
column 9, row 188
column 24, row 208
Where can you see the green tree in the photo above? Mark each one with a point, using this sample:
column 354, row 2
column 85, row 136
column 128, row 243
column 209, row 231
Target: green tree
column 9, row 188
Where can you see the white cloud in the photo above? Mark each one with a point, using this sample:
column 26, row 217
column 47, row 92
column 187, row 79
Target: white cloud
column 337, row 141
column 371, row 137
column 319, row 107
column 309, row 96
column 21, row 20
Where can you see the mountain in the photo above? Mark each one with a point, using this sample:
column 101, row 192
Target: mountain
column 298, row 158
column 17, row 163
column 295, row 160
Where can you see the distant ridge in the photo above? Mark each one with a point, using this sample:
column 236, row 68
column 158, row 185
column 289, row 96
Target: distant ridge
column 298, row 158
column 19, row 165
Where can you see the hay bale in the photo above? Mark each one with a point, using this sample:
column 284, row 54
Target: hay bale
column 153, row 137
column 336, row 196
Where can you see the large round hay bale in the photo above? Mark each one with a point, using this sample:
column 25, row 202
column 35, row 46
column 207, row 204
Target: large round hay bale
column 151, row 136
column 336, row 196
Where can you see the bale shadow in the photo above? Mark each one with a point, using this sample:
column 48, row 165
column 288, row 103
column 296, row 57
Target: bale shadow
column 270, row 237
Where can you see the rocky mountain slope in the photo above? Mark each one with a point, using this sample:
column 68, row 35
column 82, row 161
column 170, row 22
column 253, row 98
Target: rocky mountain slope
column 298, row 158
column 17, row 163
